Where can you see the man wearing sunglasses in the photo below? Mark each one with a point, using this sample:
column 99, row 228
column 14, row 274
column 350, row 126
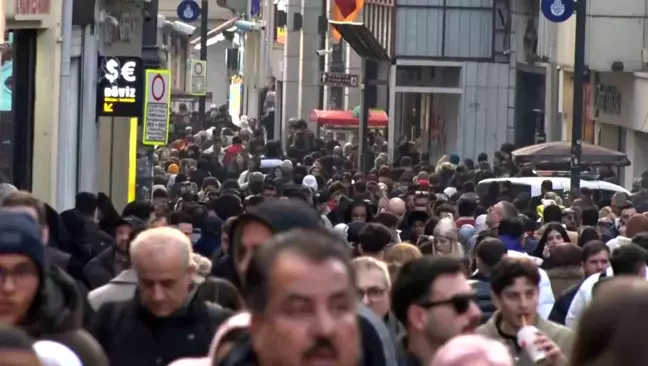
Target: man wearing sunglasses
column 434, row 301
column 515, row 286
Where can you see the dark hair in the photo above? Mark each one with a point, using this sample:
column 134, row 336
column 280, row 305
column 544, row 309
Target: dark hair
column 512, row 227
column 593, row 247
column 221, row 292
column 314, row 245
column 641, row 240
column 490, row 251
column 567, row 255
column 374, row 237
column 628, row 259
column 86, row 203
column 179, row 217
column 237, row 140
column 508, row 270
column 628, row 205
column 547, row 184
column 140, row 209
column 198, row 214
column 589, row 217
column 482, row 157
column 466, row 207
column 430, row 225
column 160, row 193
column 552, row 213
column 354, row 204
column 586, row 235
column 386, row 218
column 542, row 243
column 416, row 279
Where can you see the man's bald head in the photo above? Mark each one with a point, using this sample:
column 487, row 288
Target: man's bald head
column 161, row 241
column 397, row 207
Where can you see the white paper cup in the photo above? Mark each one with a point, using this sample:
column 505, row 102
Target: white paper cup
column 526, row 338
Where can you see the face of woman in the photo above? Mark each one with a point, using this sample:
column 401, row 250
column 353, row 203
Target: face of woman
column 554, row 239
column 419, row 228
column 278, row 173
column 443, row 244
column 359, row 213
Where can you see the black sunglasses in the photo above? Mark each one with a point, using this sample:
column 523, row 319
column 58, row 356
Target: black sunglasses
column 460, row 303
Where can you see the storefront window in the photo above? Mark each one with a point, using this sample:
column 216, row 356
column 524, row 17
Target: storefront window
column 7, row 124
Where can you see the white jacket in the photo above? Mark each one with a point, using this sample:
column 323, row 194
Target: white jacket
column 583, row 298
column 545, row 297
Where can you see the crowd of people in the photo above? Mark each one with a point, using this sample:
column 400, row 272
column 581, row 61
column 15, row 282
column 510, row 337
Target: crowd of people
column 246, row 255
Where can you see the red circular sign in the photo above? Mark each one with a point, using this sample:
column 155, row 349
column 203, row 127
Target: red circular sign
column 157, row 96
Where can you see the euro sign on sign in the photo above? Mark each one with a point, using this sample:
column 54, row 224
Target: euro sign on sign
column 557, row 11
column 120, row 86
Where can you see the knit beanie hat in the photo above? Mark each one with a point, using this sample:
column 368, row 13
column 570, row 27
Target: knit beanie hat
column 454, row 159
column 20, row 234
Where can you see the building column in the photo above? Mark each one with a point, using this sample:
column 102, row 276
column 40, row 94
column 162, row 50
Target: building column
column 353, row 66
column 309, row 61
column 628, row 175
column 291, row 75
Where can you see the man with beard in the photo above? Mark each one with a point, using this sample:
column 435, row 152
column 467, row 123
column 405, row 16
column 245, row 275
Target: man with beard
column 432, row 298
column 302, row 301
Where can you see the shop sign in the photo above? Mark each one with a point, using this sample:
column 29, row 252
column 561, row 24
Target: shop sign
column 120, row 87
column 608, row 99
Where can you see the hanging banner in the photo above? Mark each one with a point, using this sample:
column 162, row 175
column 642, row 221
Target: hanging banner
column 157, row 100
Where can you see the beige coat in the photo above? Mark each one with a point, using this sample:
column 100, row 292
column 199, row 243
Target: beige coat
column 559, row 334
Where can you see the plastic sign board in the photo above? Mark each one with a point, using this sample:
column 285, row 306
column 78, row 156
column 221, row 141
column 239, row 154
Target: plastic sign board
column 157, row 101
column 557, row 11
column 197, row 77
column 120, row 86
column 188, row 11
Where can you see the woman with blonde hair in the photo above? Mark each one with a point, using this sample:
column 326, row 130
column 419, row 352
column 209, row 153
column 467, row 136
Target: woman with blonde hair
column 399, row 255
column 446, row 239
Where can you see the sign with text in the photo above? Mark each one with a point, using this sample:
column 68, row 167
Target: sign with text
column 157, row 100
column 119, row 86
column 339, row 79
column 197, row 77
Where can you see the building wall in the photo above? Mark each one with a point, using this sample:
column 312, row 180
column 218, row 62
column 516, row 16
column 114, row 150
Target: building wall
column 487, row 108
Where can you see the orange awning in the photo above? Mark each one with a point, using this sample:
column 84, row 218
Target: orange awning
column 346, row 118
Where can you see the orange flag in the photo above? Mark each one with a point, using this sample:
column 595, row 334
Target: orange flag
column 345, row 11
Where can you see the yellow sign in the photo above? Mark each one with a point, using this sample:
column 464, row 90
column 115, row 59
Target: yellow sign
column 197, row 77
column 108, row 107
column 157, row 100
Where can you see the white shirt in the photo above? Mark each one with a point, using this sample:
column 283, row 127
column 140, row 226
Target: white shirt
column 583, row 298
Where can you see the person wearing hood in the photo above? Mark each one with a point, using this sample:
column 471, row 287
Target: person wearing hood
column 85, row 207
column 511, row 233
column 286, row 174
column 42, row 300
column 255, row 228
column 113, row 260
column 210, row 237
column 165, row 320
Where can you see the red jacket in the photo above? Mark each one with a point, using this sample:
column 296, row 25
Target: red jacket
column 231, row 152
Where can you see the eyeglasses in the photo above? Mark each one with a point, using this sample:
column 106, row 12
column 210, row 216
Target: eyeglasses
column 461, row 303
column 372, row 293
column 20, row 275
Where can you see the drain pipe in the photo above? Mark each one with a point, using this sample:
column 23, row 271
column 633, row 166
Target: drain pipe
column 67, row 129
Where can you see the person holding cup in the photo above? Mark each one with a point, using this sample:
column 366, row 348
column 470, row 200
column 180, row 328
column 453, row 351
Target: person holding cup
column 531, row 339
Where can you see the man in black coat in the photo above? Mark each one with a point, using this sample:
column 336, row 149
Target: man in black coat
column 165, row 321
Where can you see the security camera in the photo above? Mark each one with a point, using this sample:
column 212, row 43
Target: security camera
column 184, row 28
column 321, row 53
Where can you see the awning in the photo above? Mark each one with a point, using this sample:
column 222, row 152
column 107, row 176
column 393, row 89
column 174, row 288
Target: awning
column 377, row 118
column 216, row 31
column 361, row 40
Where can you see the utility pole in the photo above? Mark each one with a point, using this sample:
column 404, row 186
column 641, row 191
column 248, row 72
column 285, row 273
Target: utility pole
column 364, row 119
column 204, row 17
column 580, row 7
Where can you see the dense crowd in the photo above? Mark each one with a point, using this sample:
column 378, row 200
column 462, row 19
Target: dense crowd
column 249, row 255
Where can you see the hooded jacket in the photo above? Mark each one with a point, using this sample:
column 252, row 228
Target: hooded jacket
column 210, row 237
column 120, row 288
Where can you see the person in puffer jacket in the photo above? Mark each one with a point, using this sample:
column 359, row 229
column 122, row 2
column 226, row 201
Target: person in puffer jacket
column 488, row 253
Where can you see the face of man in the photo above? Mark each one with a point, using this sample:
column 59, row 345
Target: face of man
column 373, row 290
column 19, row 284
column 596, row 263
column 164, row 280
column 311, row 316
column 252, row 235
column 122, row 236
column 269, row 193
column 627, row 214
column 454, row 311
column 495, row 216
column 186, row 228
column 517, row 301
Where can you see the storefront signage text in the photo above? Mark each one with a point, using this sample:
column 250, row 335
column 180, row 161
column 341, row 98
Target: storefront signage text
column 120, row 87
column 608, row 99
